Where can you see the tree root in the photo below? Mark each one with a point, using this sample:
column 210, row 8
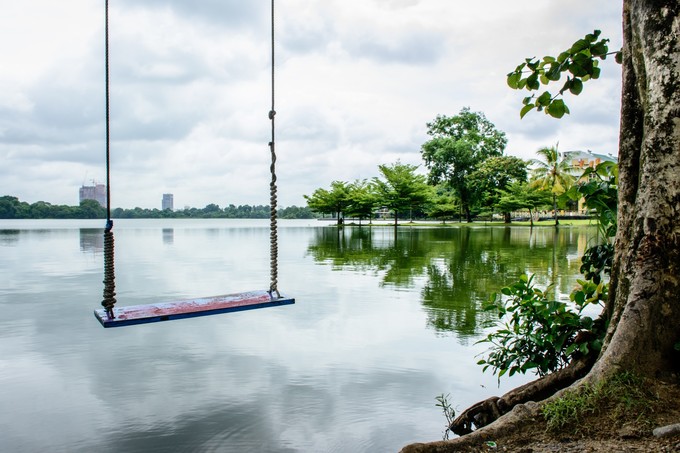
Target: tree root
column 496, row 416
column 489, row 410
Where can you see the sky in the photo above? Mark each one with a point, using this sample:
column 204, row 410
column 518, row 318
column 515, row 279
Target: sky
column 356, row 84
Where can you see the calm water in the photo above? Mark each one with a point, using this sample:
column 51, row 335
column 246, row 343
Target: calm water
column 381, row 325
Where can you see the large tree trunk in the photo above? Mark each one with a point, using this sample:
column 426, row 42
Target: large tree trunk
column 644, row 297
column 644, row 303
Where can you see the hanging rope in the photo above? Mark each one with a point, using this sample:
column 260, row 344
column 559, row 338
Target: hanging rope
column 273, row 237
column 109, row 274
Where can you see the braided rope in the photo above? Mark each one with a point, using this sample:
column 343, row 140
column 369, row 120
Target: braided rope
column 109, row 273
column 273, row 236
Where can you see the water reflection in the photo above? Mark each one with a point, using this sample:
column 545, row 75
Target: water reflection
column 168, row 236
column 456, row 269
column 9, row 237
column 91, row 240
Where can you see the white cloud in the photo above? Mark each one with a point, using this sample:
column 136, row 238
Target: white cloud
column 356, row 84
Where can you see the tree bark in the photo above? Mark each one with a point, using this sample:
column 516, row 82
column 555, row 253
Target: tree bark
column 644, row 302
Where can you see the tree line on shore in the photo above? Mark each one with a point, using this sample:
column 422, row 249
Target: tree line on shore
column 12, row 208
column 469, row 177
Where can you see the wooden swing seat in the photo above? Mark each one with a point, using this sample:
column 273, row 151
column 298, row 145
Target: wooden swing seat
column 189, row 308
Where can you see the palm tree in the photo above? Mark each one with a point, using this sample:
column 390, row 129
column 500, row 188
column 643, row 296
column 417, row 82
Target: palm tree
column 554, row 172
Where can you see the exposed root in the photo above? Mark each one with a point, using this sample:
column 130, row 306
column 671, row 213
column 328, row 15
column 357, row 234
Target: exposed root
column 489, row 410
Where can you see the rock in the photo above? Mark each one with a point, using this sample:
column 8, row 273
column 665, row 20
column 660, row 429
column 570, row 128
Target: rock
column 667, row 431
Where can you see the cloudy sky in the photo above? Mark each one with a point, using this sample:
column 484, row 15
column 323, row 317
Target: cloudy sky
column 357, row 81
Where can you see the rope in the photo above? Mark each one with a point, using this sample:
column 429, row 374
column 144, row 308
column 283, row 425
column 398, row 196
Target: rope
column 109, row 274
column 273, row 237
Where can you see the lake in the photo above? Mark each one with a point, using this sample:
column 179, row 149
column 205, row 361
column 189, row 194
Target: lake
column 382, row 324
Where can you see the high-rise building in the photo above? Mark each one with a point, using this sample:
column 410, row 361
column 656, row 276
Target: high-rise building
column 168, row 202
column 96, row 192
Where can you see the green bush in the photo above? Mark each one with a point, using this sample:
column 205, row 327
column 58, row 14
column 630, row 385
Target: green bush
column 536, row 333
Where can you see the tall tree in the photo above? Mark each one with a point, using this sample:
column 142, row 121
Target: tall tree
column 401, row 189
column 553, row 171
column 458, row 145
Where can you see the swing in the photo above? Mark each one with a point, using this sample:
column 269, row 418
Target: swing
column 186, row 308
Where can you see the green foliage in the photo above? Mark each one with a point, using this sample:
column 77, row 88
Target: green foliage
column 580, row 63
column 541, row 333
column 443, row 204
column 537, row 333
column 12, row 208
column 519, row 196
column 448, row 410
column 599, row 189
column 552, row 171
column 620, row 399
column 459, row 144
column 401, row 189
column 494, row 175
column 333, row 201
column 363, row 199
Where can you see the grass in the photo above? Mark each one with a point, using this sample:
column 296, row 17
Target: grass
column 623, row 399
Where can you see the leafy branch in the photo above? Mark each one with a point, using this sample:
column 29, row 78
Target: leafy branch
column 580, row 61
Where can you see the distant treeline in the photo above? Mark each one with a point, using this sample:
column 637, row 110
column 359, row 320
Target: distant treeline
column 12, row 208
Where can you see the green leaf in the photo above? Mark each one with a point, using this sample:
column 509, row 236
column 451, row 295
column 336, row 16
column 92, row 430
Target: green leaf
column 513, row 79
column 576, row 86
column 532, row 82
column 579, row 45
column 561, row 58
column 557, row 108
column 619, row 57
column 526, row 109
column 544, row 99
column 600, row 49
column 596, row 73
column 554, row 72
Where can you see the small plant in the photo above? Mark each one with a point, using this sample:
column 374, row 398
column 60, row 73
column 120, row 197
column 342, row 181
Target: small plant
column 448, row 410
column 542, row 334
column 538, row 332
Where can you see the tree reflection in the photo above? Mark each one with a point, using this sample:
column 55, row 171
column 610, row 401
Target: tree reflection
column 455, row 269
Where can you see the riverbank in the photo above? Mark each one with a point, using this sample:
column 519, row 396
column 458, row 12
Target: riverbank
column 604, row 429
column 437, row 223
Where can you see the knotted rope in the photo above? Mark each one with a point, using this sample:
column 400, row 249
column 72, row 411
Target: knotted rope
column 109, row 274
column 273, row 236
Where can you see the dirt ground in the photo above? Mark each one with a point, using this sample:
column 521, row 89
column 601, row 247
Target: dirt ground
column 595, row 433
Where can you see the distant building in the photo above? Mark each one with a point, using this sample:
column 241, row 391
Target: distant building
column 96, row 192
column 168, row 202
column 582, row 159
